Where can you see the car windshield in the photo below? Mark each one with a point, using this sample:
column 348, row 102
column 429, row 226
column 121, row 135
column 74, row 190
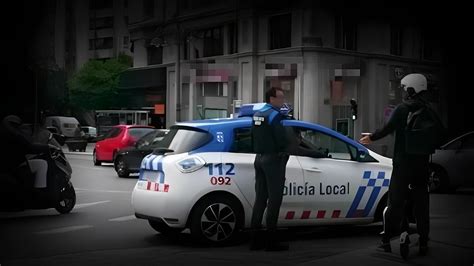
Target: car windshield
column 185, row 139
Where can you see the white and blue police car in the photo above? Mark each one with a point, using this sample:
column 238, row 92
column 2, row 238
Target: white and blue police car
column 203, row 179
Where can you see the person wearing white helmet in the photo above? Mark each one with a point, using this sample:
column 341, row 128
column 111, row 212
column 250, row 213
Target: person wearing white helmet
column 409, row 181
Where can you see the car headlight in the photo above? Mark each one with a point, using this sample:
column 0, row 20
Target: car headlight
column 190, row 164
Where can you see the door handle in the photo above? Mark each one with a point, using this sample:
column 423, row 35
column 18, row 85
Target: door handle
column 313, row 169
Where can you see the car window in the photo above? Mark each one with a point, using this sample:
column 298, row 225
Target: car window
column 146, row 140
column 138, row 132
column 468, row 142
column 182, row 139
column 454, row 145
column 159, row 137
column 242, row 141
column 326, row 144
column 114, row 132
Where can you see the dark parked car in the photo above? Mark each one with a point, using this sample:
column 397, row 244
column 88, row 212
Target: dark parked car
column 451, row 165
column 128, row 160
column 119, row 137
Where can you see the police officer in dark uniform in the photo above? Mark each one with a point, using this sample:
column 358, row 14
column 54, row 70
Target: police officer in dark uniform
column 409, row 181
column 269, row 144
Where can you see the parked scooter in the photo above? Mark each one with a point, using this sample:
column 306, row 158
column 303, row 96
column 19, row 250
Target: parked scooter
column 17, row 191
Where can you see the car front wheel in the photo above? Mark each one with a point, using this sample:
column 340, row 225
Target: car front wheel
column 216, row 220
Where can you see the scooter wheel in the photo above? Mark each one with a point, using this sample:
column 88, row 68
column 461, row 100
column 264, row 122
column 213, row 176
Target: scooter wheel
column 67, row 199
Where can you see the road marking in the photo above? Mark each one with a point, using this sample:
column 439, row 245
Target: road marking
column 65, row 229
column 82, row 205
column 123, row 218
column 99, row 190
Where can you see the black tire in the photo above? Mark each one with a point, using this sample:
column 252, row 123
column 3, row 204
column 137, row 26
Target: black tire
column 67, row 199
column 164, row 229
column 438, row 179
column 121, row 167
column 94, row 158
column 216, row 220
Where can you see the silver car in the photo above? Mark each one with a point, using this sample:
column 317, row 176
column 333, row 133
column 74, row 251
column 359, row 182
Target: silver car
column 452, row 164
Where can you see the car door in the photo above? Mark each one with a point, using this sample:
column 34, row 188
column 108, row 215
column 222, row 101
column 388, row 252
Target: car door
column 338, row 185
column 110, row 143
column 242, row 157
column 460, row 161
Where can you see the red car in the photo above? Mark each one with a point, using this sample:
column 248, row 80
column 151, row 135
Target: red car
column 118, row 137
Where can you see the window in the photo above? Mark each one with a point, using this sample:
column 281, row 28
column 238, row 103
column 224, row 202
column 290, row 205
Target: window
column 396, row 40
column 431, row 46
column 232, row 38
column 100, row 4
column 114, row 132
column 148, row 8
column 139, row 132
column 213, row 42
column 185, row 139
column 280, row 31
column 333, row 147
column 155, row 55
column 346, row 33
column 242, row 141
column 101, row 43
column 468, row 142
column 126, row 41
column 101, row 23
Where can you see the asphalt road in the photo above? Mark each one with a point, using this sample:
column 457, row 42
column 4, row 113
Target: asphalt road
column 102, row 230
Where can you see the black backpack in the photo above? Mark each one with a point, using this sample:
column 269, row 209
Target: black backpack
column 424, row 132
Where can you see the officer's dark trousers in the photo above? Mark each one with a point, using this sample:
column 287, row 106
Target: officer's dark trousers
column 400, row 196
column 269, row 182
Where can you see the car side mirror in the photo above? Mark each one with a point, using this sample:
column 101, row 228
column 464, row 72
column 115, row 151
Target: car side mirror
column 361, row 154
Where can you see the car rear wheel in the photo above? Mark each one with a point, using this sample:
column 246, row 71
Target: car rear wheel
column 164, row 229
column 121, row 167
column 216, row 220
column 94, row 158
column 438, row 179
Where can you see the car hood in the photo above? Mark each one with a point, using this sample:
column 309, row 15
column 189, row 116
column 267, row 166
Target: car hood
column 382, row 159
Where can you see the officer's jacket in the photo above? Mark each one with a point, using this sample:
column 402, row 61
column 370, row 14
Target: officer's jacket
column 268, row 134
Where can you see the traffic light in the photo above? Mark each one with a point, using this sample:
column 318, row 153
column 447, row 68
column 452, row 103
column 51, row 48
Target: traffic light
column 354, row 109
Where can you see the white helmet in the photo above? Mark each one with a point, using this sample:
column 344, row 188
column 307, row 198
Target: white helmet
column 416, row 81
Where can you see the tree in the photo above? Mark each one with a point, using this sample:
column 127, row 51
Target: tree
column 95, row 85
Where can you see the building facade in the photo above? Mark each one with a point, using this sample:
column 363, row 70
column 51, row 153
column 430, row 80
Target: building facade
column 213, row 55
